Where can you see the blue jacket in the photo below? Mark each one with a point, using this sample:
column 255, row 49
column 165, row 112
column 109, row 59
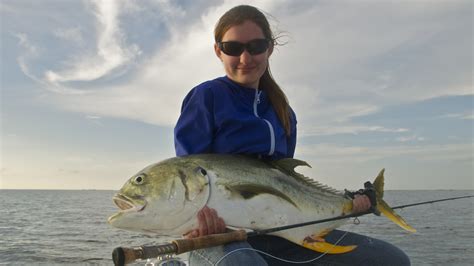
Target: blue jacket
column 220, row 116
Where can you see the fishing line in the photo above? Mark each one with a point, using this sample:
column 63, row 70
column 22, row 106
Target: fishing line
column 281, row 259
column 356, row 221
column 430, row 201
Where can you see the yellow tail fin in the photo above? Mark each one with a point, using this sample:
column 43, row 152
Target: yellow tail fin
column 325, row 247
column 383, row 207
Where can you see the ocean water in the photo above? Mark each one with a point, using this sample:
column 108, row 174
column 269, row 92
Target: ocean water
column 51, row 227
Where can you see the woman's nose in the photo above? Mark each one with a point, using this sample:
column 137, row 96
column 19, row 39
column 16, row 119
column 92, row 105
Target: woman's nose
column 245, row 57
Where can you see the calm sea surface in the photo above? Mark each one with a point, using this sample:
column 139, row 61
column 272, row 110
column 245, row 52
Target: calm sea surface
column 70, row 227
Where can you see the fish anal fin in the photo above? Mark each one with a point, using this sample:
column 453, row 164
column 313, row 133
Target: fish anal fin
column 320, row 235
column 318, row 244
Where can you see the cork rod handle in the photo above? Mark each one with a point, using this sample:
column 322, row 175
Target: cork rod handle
column 124, row 255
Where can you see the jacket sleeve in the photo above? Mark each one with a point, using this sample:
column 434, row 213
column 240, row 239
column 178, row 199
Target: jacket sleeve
column 291, row 144
column 193, row 132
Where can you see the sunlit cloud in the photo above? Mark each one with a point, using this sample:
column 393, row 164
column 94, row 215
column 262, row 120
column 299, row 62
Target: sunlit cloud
column 73, row 35
column 395, row 53
column 334, row 153
column 344, row 66
column 327, row 80
column 111, row 52
column 411, row 138
column 346, row 129
column 462, row 116
column 29, row 51
column 154, row 94
column 468, row 117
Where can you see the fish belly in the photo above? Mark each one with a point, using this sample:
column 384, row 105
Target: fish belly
column 268, row 211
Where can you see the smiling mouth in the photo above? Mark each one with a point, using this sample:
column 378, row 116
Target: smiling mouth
column 246, row 69
column 126, row 205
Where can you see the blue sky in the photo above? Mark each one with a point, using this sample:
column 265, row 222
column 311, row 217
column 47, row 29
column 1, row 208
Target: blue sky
column 90, row 90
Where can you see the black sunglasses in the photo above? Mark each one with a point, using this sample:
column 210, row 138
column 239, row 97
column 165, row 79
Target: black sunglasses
column 254, row 47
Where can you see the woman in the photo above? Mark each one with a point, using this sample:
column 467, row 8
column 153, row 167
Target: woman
column 246, row 112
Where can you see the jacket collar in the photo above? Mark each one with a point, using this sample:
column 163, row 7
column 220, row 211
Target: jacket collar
column 246, row 94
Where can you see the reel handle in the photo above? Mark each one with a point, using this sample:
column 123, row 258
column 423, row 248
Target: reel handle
column 124, row 255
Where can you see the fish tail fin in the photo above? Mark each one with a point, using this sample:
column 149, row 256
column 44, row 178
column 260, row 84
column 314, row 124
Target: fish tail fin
column 384, row 208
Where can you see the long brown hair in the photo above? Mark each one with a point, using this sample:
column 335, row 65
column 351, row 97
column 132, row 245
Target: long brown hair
column 238, row 15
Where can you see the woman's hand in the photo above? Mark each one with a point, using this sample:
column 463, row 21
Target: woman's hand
column 360, row 203
column 209, row 223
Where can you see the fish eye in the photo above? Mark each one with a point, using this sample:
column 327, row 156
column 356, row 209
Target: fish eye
column 202, row 171
column 139, row 179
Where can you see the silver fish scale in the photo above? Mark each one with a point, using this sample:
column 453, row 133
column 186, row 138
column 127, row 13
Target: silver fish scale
column 256, row 171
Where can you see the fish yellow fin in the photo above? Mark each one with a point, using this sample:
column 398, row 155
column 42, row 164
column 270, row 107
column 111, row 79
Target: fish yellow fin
column 347, row 207
column 383, row 207
column 322, row 246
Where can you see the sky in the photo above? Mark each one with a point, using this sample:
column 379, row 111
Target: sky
column 91, row 90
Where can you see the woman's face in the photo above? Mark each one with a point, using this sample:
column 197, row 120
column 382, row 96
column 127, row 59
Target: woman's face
column 245, row 69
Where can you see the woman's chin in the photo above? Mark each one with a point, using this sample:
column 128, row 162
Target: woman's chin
column 247, row 80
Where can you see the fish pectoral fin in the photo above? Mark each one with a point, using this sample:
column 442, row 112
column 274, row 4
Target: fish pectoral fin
column 320, row 245
column 248, row 191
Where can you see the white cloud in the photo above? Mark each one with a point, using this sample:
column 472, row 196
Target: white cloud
column 372, row 54
column 30, row 51
column 409, row 166
column 468, row 117
column 345, row 129
column 110, row 53
column 155, row 94
column 462, row 116
column 410, row 138
column 93, row 117
column 342, row 59
column 70, row 34
column 334, row 153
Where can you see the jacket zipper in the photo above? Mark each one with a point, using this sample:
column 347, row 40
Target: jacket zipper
column 270, row 127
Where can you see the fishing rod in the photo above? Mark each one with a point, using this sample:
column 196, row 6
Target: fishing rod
column 124, row 255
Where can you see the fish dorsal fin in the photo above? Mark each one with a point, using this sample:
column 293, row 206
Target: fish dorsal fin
column 288, row 165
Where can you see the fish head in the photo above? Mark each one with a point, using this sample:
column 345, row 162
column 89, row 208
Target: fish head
column 163, row 198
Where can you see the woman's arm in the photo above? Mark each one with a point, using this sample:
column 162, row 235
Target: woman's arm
column 193, row 132
column 291, row 140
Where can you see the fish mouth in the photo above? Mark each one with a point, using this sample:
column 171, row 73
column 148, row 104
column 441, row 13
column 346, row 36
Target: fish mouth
column 126, row 204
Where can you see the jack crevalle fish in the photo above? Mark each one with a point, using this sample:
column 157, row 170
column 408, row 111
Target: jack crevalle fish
column 164, row 198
